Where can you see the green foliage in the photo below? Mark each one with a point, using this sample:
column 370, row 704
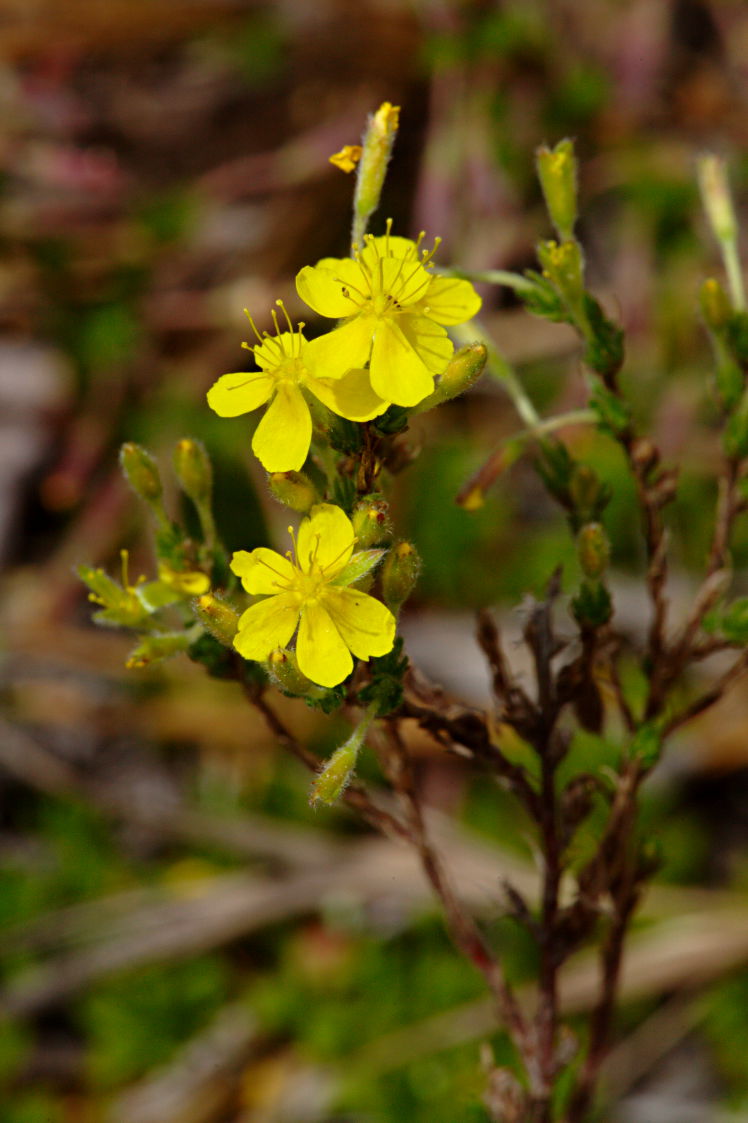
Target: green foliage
column 134, row 1022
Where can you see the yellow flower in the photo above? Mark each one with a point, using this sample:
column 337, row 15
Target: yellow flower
column 311, row 591
column 395, row 310
column 289, row 368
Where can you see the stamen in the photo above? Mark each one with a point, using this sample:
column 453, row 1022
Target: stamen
column 347, row 287
column 283, row 583
column 282, row 307
column 331, row 564
column 258, row 337
column 295, row 555
column 125, row 560
column 278, row 334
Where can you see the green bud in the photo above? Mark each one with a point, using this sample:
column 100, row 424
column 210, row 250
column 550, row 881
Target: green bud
column 715, row 305
column 294, row 490
column 376, row 149
column 584, row 490
column 194, row 470
column 465, row 368
column 593, row 550
column 371, row 522
column 335, row 776
column 399, row 574
column 155, row 648
column 142, row 474
column 284, row 670
column 715, row 195
column 337, row 773
column 563, row 265
column 217, row 617
column 557, row 171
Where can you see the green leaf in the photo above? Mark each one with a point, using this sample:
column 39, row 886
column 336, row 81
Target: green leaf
column 360, row 564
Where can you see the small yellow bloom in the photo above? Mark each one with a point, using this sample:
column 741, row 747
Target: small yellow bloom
column 310, row 591
column 289, row 368
column 395, row 310
column 347, row 158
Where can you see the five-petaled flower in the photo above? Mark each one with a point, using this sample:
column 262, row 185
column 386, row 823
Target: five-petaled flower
column 394, row 309
column 290, row 367
column 311, row 591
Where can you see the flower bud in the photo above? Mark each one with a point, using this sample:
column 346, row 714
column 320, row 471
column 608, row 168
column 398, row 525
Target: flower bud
column 142, row 474
column 557, row 171
column 465, row 368
column 715, row 304
column 715, row 195
column 336, row 774
column 399, row 574
column 584, row 490
column 593, row 550
column 187, row 582
column 284, row 669
column 563, row 265
column 338, row 771
column 376, row 148
column 194, row 470
column 217, row 617
column 371, row 524
column 294, row 490
column 154, row 648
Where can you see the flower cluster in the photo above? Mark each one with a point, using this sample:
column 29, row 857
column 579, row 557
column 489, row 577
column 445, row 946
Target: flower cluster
column 310, row 589
column 391, row 344
column 389, row 347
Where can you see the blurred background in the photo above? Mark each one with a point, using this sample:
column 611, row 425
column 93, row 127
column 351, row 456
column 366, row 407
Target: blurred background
column 182, row 940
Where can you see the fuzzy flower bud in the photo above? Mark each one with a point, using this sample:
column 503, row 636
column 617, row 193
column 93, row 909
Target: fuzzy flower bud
column 194, row 471
column 715, row 194
column 142, row 474
column 217, row 617
column 371, row 524
column 399, row 574
column 153, row 649
column 284, row 669
column 563, row 265
column 557, row 171
column 464, row 369
column 376, row 149
column 338, row 771
column 294, row 490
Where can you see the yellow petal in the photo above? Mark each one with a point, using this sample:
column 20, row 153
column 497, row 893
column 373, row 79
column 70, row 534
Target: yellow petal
column 429, row 340
column 277, row 349
column 263, row 571
column 266, row 625
column 347, row 158
column 320, row 651
column 281, row 441
column 350, row 396
column 405, row 281
column 397, row 373
column 327, row 538
column 388, row 245
column 238, row 393
column 450, row 300
column 322, row 286
column 342, row 349
column 366, row 625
